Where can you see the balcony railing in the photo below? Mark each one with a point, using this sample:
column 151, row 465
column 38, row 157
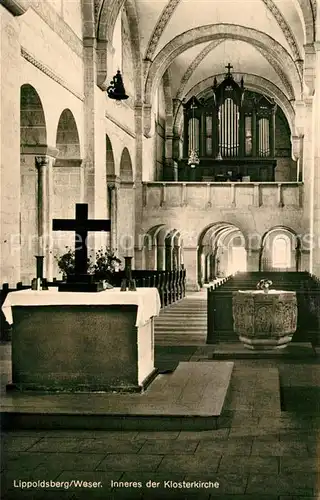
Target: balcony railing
column 203, row 196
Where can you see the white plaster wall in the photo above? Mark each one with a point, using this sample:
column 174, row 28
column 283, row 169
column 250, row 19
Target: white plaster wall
column 54, row 99
column 9, row 148
column 46, row 46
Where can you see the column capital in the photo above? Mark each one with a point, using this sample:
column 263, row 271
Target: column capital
column 39, row 150
column 42, row 161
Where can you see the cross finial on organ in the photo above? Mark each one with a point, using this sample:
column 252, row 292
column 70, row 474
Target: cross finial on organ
column 229, row 67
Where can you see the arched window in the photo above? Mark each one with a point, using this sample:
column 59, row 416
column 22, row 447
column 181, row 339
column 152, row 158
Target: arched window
column 281, row 252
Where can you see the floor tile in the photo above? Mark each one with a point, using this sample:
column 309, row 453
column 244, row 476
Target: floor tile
column 130, row 462
column 58, row 444
column 74, row 461
column 291, row 464
column 204, row 435
column 12, row 443
column 163, row 447
column 231, row 446
column 240, row 464
column 190, row 463
column 274, row 448
column 283, row 484
column 105, row 445
column 225, row 482
column 157, row 435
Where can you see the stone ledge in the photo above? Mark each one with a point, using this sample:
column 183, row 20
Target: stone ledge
column 191, row 398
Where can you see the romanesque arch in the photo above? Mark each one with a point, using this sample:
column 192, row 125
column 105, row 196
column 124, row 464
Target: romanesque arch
column 277, row 56
column 68, row 142
column 126, row 172
column 252, row 82
column 290, row 249
column 215, row 255
column 33, row 164
column 33, row 129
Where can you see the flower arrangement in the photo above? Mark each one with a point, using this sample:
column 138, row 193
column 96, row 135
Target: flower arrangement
column 102, row 266
column 264, row 285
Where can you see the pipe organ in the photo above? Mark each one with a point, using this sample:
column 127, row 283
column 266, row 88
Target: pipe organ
column 228, row 136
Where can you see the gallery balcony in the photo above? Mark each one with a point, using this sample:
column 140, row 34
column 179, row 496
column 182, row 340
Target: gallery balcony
column 212, row 196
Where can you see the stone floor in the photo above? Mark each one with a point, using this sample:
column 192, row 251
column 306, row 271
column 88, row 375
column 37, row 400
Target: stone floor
column 260, row 451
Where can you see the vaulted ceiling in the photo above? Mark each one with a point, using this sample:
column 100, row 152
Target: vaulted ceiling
column 194, row 40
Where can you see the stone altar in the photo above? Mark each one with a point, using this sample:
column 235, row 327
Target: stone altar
column 264, row 320
column 82, row 342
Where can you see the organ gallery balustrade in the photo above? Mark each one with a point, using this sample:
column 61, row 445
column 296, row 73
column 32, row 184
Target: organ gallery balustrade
column 235, row 195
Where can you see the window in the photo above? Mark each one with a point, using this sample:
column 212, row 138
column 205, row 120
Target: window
column 281, row 252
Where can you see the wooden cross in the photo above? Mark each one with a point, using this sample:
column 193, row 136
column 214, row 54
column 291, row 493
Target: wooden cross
column 229, row 67
column 81, row 225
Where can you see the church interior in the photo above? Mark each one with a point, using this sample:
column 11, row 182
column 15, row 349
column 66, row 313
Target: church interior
column 182, row 138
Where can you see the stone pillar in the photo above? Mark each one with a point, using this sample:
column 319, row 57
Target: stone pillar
column 44, row 166
column 191, row 264
column 10, row 147
column 151, row 257
column 316, row 205
column 309, row 175
column 253, row 256
column 94, row 162
column 114, row 186
column 169, row 257
column 161, row 257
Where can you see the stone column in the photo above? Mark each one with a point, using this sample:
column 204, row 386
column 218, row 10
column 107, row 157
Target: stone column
column 316, row 205
column 151, row 257
column 94, row 161
column 113, row 184
column 309, row 176
column 161, row 257
column 253, row 256
column 191, row 265
column 44, row 166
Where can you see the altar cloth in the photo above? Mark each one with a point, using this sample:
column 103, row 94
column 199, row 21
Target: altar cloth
column 146, row 299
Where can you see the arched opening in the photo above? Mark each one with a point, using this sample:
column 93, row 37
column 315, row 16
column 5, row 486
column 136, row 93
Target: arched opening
column 68, row 179
column 237, row 256
column 162, row 249
column 112, row 196
column 33, row 145
column 280, row 250
column 32, row 120
column 221, row 252
column 67, row 137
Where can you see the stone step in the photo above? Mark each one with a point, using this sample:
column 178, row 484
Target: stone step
column 183, row 323
column 190, row 398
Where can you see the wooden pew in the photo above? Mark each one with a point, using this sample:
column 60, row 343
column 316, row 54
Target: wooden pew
column 220, row 320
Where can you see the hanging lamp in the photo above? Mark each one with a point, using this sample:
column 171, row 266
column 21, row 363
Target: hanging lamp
column 193, row 159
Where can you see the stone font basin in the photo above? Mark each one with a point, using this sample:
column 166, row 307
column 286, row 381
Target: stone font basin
column 264, row 320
